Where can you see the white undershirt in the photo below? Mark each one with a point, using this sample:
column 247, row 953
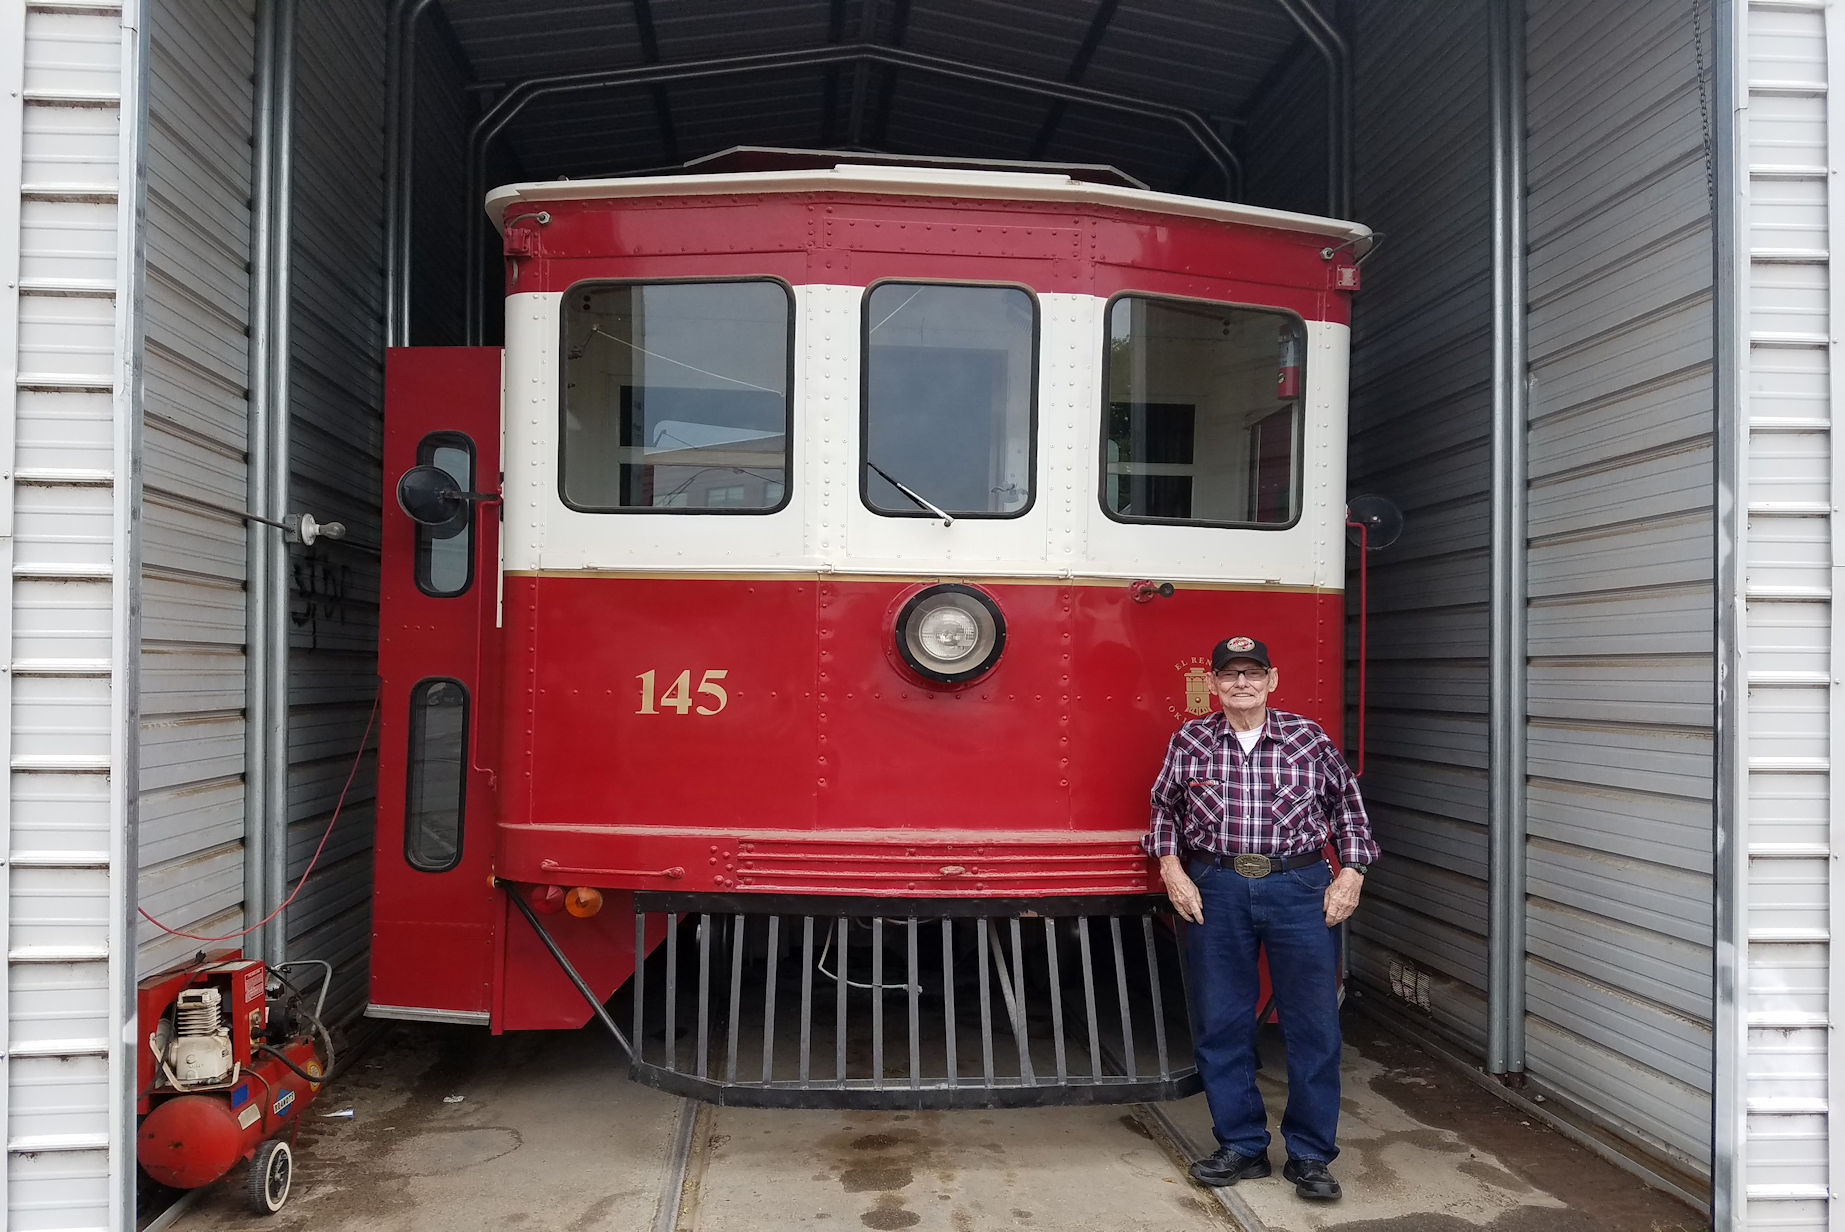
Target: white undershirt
column 1248, row 738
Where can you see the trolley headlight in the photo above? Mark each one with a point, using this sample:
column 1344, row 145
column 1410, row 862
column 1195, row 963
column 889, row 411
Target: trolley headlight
column 950, row 632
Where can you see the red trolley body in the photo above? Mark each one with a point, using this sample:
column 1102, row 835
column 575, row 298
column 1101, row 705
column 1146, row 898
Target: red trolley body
column 698, row 626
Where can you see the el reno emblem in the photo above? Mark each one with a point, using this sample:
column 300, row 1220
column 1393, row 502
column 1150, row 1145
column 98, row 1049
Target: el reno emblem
column 1195, row 674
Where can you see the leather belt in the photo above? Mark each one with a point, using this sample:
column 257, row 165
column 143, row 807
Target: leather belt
column 1253, row 865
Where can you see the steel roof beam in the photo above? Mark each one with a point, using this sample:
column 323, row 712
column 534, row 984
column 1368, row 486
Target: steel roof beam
column 650, row 54
column 829, row 97
column 516, row 99
column 1079, row 64
column 887, row 88
column 861, row 75
column 1338, row 56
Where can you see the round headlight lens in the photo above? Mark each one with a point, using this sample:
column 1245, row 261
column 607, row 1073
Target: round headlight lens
column 950, row 632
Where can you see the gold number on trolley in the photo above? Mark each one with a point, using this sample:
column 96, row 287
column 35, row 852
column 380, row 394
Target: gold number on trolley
column 679, row 694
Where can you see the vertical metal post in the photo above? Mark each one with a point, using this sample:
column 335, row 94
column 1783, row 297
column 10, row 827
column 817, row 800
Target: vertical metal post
column 281, row 236
column 704, row 994
column 1505, row 1050
column 125, row 605
column 1729, row 206
column 948, row 1001
column 736, row 995
column 640, row 979
column 839, row 1001
column 400, row 165
column 259, row 540
column 768, row 1000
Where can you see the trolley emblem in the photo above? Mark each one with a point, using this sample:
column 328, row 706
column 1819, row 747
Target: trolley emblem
column 1197, row 678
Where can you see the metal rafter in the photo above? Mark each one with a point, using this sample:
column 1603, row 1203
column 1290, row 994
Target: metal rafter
column 650, row 54
column 1079, row 64
column 861, row 74
column 829, row 95
column 1333, row 49
column 518, row 97
column 887, row 88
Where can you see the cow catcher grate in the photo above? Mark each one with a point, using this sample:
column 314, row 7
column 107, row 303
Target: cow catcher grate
column 813, row 1001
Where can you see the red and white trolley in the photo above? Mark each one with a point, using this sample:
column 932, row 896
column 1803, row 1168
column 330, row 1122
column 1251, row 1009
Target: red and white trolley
column 803, row 598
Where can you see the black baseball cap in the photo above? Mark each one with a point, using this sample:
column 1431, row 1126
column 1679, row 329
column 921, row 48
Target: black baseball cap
column 1233, row 648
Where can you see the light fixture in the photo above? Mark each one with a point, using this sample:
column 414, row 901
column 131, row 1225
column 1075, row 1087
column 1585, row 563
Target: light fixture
column 950, row 632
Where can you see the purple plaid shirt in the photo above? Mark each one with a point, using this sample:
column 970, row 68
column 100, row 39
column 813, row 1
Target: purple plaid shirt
column 1288, row 795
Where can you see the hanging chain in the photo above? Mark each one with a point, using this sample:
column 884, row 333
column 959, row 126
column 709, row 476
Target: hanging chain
column 1710, row 162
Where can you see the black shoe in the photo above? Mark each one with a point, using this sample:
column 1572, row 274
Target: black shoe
column 1311, row 1179
column 1225, row 1167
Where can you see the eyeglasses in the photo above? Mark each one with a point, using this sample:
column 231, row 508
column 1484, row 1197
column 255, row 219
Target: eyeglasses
column 1252, row 674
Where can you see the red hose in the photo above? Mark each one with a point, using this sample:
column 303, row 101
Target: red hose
column 1364, row 540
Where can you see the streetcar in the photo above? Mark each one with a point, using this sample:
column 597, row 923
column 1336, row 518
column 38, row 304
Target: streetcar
column 783, row 628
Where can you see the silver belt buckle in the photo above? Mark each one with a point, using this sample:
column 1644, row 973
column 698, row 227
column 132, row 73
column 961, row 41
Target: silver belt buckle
column 1252, row 865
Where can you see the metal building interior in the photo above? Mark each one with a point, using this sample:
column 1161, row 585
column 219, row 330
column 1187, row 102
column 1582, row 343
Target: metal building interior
column 1532, row 384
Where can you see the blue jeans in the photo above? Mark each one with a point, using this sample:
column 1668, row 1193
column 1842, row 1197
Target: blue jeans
column 1284, row 914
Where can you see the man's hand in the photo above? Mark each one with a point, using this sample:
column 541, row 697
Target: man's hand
column 1184, row 894
column 1341, row 895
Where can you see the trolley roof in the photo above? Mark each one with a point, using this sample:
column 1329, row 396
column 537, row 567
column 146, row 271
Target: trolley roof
column 927, row 181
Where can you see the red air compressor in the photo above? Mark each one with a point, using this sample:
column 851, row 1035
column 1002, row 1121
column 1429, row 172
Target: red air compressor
column 230, row 1055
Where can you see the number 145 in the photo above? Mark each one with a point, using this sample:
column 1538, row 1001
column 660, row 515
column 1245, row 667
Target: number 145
column 678, row 695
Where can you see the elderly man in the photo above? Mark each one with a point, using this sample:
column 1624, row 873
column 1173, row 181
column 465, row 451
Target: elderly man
column 1245, row 802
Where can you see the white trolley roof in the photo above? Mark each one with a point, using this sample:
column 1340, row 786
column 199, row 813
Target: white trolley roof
column 928, row 182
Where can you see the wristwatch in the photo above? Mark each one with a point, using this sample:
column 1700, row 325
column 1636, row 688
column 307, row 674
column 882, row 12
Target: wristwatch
column 1360, row 869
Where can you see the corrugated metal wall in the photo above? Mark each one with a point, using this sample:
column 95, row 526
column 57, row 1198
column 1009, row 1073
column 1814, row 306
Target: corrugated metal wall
column 197, row 363
column 1619, row 903
column 1619, row 860
column 70, row 83
column 1792, row 1126
column 1421, row 422
column 196, row 411
column 336, row 395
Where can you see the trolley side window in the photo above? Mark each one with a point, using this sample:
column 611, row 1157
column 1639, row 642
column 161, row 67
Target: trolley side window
column 445, row 553
column 950, row 400
column 1203, row 421
column 436, row 791
column 676, row 396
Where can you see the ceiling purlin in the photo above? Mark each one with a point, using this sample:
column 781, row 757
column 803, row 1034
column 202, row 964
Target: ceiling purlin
column 899, row 23
column 829, row 94
column 861, row 76
column 1098, row 26
column 650, row 54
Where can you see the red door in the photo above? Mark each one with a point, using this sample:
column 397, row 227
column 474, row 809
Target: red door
column 434, row 911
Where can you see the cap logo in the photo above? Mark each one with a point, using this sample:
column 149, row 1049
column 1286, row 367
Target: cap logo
column 1240, row 643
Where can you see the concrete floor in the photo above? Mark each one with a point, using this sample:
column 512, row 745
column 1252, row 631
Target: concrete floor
column 549, row 1133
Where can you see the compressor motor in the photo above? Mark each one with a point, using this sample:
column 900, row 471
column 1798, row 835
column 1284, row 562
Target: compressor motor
column 231, row 1055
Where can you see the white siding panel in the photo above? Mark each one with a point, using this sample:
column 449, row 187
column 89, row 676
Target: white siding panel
column 1789, row 812
column 69, row 81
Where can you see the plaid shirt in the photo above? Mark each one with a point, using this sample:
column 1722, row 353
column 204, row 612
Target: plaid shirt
column 1288, row 795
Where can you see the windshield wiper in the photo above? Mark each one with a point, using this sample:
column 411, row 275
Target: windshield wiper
column 921, row 501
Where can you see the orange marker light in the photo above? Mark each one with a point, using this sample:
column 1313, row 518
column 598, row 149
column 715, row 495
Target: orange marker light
column 583, row 901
